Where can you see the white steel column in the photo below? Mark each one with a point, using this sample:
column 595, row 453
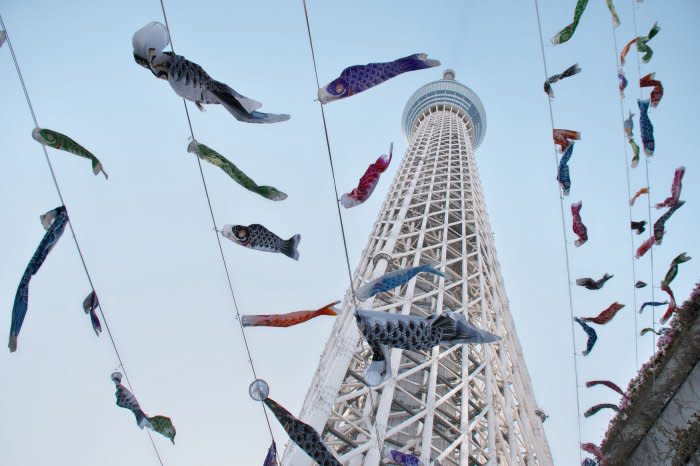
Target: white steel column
column 463, row 405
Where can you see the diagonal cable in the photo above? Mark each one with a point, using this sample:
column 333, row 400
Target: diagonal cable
column 218, row 238
column 566, row 248
column 70, row 225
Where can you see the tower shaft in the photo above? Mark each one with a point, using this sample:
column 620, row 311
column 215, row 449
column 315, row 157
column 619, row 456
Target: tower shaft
column 460, row 405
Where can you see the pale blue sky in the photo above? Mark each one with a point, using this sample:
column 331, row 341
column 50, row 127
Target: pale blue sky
column 147, row 235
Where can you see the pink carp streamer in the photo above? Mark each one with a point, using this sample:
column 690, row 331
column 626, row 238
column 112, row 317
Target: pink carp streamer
column 606, row 315
column 594, row 409
column 644, row 247
column 611, row 385
column 595, row 450
column 578, row 226
column 658, row 89
column 672, row 200
column 368, row 182
column 564, row 137
column 639, row 193
column 660, row 224
column 289, row 319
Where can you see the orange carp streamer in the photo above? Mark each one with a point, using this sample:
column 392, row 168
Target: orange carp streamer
column 289, row 319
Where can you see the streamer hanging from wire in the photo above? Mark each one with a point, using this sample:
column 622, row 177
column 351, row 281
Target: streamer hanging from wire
column 54, row 222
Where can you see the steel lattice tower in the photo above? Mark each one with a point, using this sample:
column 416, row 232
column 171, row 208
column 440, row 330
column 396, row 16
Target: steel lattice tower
column 462, row 405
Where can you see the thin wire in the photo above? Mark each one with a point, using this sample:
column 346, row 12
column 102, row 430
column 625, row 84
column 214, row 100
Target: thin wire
column 619, row 69
column 370, row 393
column 566, row 248
column 70, row 224
column 646, row 168
column 218, row 239
column 330, row 157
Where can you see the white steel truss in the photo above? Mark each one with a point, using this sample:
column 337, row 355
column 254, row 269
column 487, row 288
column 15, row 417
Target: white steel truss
column 463, row 405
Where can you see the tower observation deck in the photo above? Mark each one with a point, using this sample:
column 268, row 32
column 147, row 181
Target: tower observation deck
column 465, row 405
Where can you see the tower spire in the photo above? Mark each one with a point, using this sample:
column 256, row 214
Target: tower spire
column 459, row 405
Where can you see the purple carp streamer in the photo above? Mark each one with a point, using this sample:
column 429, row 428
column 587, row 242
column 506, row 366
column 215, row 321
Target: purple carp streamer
column 606, row 315
column 404, row 459
column 563, row 176
column 568, row 31
column 392, row 280
column 384, row 330
column 646, row 129
column 358, row 78
column 592, row 335
column 271, row 457
column 629, row 132
column 125, row 399
column 660, row 224
column 567, row 73
column 594, row 409
column 611, row 385
column 577, row 225
column 60, row 141
column 639, row 227
column 621, row 82
column 613, row 13
column 673, row 199
column 90, row 303
column 368, row 181
column 54, row 221
column 652, row 304
column 303, row 435
column 658, row 89
column 591, row 284
column 641, row 191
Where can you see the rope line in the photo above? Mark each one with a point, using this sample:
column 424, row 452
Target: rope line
column 70, row 225
column 566, row 247
column 370, row 392
column 218, row 238
column 629, row 195
column 646, row 169
column 330, row 157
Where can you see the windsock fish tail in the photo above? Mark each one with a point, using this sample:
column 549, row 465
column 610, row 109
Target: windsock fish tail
column 289, row 247
column 271, row 193
column 417, row 61
column 261, row 117
column 97, row 168
column 430, row 269
column 328, row 309
column 142, row 419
